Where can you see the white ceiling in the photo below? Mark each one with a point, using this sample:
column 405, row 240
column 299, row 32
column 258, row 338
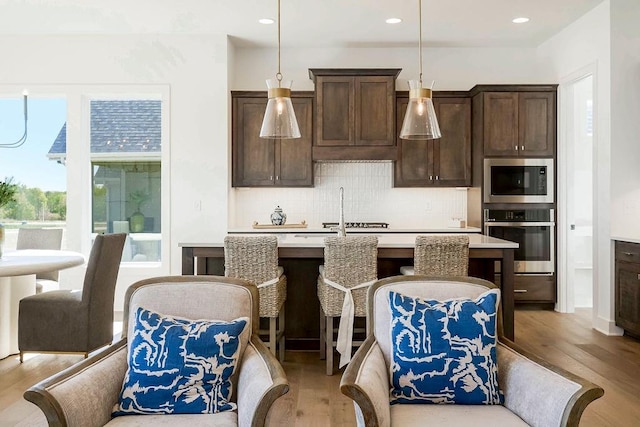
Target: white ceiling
column 305, row 23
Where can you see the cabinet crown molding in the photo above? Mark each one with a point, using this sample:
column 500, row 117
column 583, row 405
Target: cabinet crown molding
column 315, row 72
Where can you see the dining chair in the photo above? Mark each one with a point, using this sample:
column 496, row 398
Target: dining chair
column 255, row 258
column 42, row 238
column 350, row 266
column 440, row 255
column 74, row 321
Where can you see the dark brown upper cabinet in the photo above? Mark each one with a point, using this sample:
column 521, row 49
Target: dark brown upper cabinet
column 443, row 162
column 355, row 114
column 517, row 121
column 259, row 162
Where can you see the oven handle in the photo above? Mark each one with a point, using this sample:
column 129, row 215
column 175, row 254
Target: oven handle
column 519, row 224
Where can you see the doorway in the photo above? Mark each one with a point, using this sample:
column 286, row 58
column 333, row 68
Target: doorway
column 576, row 226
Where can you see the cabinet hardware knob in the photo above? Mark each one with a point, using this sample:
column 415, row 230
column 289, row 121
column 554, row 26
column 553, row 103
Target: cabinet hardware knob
column 277, row 178
column 437, row 178
column 270, row 177
column 638, row 276
column 516, row 148
column 430, row 177
column 520, row 291
column 629, row 253
column 522, row 147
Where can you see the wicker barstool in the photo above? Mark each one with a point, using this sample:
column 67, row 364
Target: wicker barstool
column 440, row 256
column 255, row 258
column 350, row 267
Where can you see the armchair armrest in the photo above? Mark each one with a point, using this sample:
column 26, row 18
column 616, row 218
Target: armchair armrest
column 366, row 381
column 83, row 394
column 530, row 383
column 261, row 380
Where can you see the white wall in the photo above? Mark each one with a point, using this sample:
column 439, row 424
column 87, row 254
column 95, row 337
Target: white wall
column 193, row 68
column 625, row 118
column 586, row 43
column 451, row 68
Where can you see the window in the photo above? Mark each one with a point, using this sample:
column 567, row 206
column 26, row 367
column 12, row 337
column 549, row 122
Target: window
column 33, row 165
column 126, row 174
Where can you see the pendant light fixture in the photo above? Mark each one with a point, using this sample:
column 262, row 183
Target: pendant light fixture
column 279, row 118
column 420, row 121
column 23, row 138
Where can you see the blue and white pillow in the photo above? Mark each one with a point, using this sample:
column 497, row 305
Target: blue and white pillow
column 180, row 366
column 444, row 351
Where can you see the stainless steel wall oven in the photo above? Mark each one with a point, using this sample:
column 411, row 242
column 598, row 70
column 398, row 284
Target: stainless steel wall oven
column 532, row 229
column 516, row 180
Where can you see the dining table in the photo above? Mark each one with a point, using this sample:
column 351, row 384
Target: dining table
column 18, row 271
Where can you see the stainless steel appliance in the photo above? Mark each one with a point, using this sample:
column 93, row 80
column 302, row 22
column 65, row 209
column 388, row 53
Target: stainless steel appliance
column 532, row 229
column 517, row 180
column 361, row 224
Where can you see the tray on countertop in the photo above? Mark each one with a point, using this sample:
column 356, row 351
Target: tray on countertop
column 302, row 224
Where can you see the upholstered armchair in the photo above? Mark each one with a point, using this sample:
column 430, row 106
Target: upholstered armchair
column 85, row 394
column 534, row 392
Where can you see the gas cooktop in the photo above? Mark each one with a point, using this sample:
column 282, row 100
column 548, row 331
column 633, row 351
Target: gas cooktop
column 357, row 224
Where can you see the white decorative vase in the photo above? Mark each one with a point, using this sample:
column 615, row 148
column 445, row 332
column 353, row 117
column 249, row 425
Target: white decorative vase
column 278, row 217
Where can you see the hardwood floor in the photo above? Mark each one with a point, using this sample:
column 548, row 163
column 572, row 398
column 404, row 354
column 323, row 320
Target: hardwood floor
column 314, row 399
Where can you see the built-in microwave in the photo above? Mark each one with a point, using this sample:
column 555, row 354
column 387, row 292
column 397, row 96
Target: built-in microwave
column 518, row 180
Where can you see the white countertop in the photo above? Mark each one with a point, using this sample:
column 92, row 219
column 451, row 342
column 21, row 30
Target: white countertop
column 626, row 239
column 385, row 240
column 448, row 230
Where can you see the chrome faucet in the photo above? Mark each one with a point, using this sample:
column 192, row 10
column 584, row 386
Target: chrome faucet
column 341, row 228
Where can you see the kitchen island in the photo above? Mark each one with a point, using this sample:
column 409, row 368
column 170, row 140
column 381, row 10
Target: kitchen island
column 300, row 254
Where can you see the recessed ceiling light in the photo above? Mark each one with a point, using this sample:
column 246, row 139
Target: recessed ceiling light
column 266, row 21
column 521, row 20
column 393, row 21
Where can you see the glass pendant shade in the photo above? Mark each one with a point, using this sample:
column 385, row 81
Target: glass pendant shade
column 420, row 121
column 279, row 118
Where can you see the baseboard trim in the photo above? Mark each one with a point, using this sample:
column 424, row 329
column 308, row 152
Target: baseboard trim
column 607, row 327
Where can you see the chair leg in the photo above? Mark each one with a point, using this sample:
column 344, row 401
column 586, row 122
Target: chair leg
column 21, row 357
column 281, row 327
column 322, row 334
column 272, row 335
column 329, row 345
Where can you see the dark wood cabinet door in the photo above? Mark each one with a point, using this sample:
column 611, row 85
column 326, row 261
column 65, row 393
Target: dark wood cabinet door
column 536, row 123
column 628, row 296
column 500, row 123
column 253, row 157
column 374, row 110
column 258, row 162
column 443, row 162
column 294, row 167
column 452, row 152
column 414, row 166
column 335, row 103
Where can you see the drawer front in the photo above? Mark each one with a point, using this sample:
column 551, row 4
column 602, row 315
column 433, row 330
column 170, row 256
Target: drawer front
column 629, row 252
column 534, row 288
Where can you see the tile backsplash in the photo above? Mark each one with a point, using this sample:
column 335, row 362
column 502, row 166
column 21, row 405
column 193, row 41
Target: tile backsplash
column 368, row 196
